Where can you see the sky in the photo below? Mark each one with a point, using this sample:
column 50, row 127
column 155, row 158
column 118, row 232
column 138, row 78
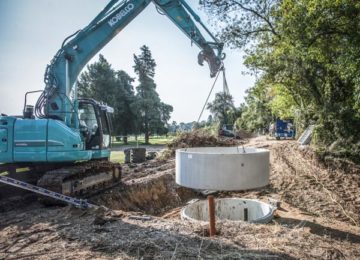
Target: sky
column 31, row 32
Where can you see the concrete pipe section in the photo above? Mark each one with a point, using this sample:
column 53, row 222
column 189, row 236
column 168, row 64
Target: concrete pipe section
column 222, row 168
column 232, row 209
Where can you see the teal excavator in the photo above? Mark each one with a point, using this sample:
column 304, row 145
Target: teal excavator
column 70, row 137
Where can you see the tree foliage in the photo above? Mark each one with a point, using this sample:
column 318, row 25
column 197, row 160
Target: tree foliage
column 153, row 114
column 102, row 83
column 222, row 107
column 307, row 53
column 135, row 113
column 255, row 113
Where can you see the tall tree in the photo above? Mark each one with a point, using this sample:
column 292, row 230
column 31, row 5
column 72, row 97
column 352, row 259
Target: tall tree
column 125, row 116
column 102, row 83
column 98, row 81
column 256, row 113
column 221, row 107
column 152, row 113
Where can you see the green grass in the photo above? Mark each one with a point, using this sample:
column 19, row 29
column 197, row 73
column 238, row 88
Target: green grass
column 117, row 157
column 154, row 140
column 22, row 169
column 17, row 170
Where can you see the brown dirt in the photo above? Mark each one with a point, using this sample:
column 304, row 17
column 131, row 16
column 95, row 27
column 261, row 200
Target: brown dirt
column 298, row 178
column 148, row 187
column 318, row 218
column 199, row 138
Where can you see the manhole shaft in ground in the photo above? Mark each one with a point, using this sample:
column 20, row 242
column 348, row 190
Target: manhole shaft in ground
column 232, row 209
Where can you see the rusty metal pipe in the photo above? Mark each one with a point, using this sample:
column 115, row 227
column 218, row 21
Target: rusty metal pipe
column 212, row 230
column 246, row 214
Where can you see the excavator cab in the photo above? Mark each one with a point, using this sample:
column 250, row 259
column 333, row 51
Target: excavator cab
column 95, row 124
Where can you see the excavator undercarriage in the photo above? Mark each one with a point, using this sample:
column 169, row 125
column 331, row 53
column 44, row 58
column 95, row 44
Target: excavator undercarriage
column 79, row 180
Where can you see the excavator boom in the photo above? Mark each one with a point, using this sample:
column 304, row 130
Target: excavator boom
column 66, row 129
column 79, row 48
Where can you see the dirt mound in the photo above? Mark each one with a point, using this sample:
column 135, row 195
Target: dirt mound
column 304, row 182
column 244, row 134
column 198, row 138
column 299, row 178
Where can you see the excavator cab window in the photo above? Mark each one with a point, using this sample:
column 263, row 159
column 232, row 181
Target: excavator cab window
column 89, row 122
column 95, row 124
column 105, row 128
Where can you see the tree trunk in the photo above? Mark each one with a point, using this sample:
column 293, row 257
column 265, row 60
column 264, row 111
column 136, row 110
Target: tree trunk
column 125, row 138
column 147, row 135
column 147, row 130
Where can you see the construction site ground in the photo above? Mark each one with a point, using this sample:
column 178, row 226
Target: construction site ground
column 319, row 216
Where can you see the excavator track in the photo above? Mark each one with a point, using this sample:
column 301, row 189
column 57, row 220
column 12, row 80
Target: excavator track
column 82, row 179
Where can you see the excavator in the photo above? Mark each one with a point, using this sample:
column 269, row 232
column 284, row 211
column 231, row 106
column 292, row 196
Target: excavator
column 69, row 138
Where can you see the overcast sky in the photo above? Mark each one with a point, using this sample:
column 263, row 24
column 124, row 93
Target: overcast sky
column 31, row 32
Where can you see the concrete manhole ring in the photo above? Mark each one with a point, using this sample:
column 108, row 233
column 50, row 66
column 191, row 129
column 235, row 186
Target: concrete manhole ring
column 222, row 168
column 230, row 209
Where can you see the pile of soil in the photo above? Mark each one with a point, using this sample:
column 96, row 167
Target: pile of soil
column 199, row 138
column 309, row 185
column 299, row 178
column 244, row 134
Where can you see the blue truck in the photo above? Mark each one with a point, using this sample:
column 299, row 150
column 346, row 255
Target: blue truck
column 283, row 129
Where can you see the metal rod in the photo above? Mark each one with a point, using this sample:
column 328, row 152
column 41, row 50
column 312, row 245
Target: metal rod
column 246, row 214
column 30, row 92
column 212, row 230
column 207, row 99
column 52, row 194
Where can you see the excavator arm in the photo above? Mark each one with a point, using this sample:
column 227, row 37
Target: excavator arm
column 74, row 154
column 183, row 16
column 59, row 99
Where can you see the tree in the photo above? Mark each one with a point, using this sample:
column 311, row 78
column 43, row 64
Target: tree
column 126, row 116
column 209, row 120
column 243, row 21
column 221, row 106
column 102, row 83
column 98, row 81
column 256, row 113
column 282, row 104
column 152, row 113
column 173, row 127
column 307, row 48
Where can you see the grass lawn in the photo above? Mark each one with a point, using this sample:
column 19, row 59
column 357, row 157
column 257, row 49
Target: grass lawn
column 117, row 157
column 154, row 140
column 25, row 169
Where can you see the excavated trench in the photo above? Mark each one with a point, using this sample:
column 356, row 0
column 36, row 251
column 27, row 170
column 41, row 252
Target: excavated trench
column 151, row 189
column 147, row 188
